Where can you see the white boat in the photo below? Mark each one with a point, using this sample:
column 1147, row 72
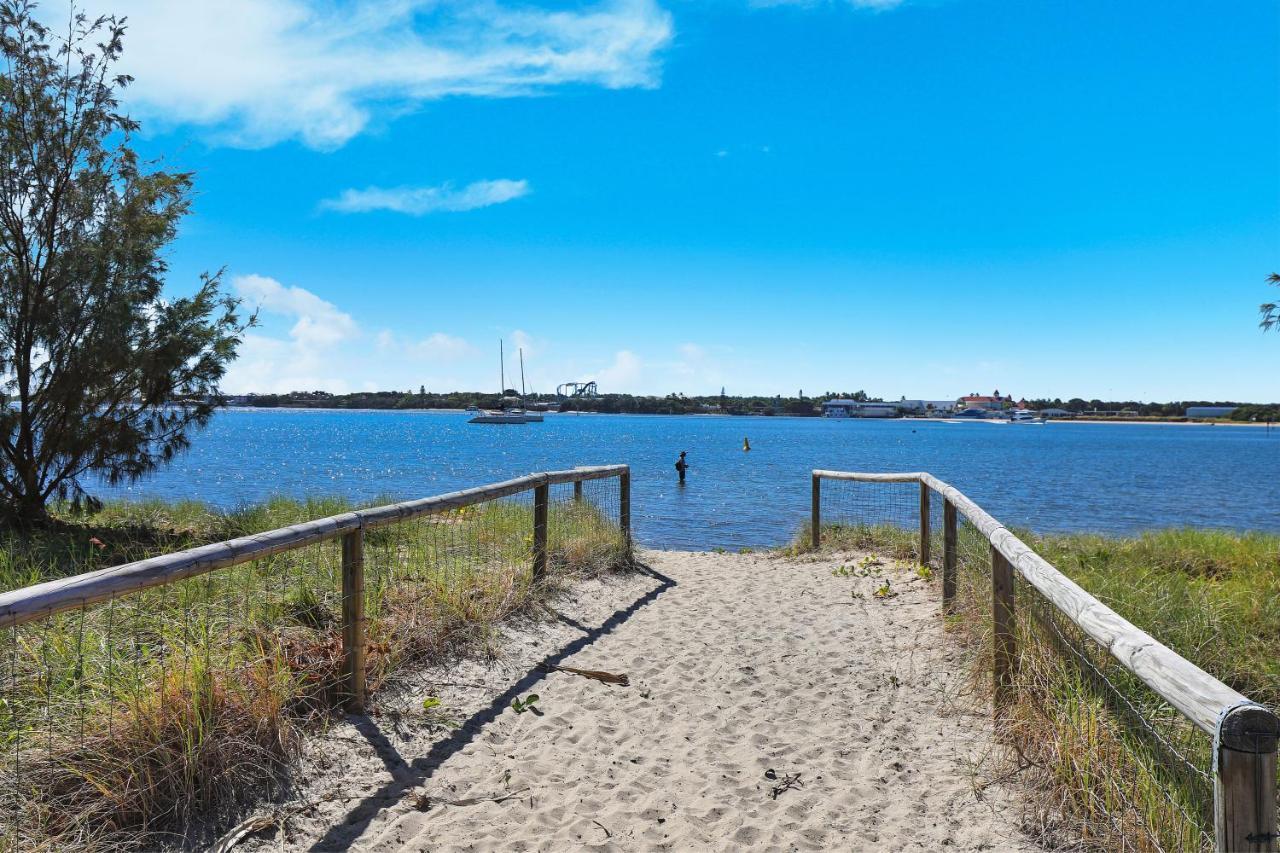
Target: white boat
column 504, row 417
column 511, row 412
column 1024, row 416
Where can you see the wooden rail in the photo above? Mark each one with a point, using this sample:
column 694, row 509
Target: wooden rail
column 1245, row 733
column 40, row 601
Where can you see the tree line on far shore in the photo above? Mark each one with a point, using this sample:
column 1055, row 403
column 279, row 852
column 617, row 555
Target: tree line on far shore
column 680, row 404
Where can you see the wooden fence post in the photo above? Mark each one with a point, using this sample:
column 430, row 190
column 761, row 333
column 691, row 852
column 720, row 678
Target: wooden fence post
column 624, row 505
column 353, row 625
column 1244, row 784
column 815, row 521
column 541, row 496
column 1003, row 627
column 948, row 554
column 577, row 491
column 924, row 524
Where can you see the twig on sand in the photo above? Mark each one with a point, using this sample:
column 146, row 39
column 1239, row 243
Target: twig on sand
column 607, row 833
column 785, row 783
column 242, row 831
column 259, row 823
column 424, row 801
column 598, row 675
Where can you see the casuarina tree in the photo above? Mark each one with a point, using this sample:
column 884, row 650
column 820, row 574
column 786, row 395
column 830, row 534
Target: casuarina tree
column 102, row 378
column 1271, row 310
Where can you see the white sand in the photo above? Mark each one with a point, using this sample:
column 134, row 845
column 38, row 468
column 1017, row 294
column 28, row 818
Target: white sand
column 739, row 665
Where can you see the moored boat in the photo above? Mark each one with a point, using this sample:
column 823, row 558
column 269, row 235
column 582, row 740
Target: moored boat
column 1024, row 416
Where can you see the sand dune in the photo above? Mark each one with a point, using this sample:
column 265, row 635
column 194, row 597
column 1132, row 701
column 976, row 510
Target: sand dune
column 745, row 671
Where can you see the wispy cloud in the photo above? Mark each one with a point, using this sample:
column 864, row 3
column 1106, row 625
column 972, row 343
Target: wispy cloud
column 874, row 5
column 417, row 201
column 257, row 72
column 436, row 347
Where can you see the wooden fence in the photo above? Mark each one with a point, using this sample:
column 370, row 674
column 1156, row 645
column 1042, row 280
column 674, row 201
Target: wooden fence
column 43, row 600
column 1244, row 733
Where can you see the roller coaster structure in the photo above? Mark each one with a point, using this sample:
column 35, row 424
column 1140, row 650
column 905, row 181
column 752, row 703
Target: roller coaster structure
column 577, row 390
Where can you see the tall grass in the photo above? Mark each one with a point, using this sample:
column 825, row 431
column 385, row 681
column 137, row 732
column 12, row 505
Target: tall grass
column 121, row 723
column 1114, row 766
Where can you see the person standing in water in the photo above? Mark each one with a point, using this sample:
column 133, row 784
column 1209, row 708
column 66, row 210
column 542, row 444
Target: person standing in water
column 681, row 466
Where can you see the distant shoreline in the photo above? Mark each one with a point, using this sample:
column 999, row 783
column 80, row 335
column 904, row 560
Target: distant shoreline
column 575, row 413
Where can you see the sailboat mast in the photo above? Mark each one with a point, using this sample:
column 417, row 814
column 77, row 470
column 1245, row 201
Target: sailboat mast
column 521, row 351
column 502, row 370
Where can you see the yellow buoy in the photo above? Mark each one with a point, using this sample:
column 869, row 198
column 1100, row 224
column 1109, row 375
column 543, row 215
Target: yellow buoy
column 746, row 444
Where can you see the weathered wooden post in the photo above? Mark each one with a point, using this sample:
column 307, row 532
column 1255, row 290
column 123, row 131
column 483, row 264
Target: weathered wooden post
column 948, row 554
column 624, row 504
column 353, row 639
column 577, row 491
column 541, row 495
column 1003, row 627
column 924, row 524
column 815, row 521
column 1244, row 784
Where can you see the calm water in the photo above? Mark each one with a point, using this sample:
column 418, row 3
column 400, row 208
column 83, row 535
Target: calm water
column 1060, row 476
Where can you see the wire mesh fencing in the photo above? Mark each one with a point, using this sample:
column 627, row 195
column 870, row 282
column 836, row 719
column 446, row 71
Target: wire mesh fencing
column 124, row 717
column 1127, row 769
column 882, row 516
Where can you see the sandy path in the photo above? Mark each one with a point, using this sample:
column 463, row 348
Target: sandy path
column 739, row 665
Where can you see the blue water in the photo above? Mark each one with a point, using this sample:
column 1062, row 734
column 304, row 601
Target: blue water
column 1057, row 477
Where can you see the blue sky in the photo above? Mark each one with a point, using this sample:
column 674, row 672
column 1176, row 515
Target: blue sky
column 914, row 198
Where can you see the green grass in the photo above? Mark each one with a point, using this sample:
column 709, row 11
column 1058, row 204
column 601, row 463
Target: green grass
column 1212, row 596
column 134, row 717
column 897, row 542
column 1086, row 742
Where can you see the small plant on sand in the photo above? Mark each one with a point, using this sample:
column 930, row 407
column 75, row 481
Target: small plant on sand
column 434, row 713
column 526, row 704
column 925, row 572
column 884, row 591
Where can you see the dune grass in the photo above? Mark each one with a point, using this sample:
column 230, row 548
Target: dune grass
column 124, row 723
column 1108, row 759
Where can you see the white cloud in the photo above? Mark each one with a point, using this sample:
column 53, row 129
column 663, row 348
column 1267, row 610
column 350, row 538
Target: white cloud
column 436, row 347
column 694, row 370
column 416, row 201
column 257, row 72
column 318, row 323
column 306, row 358
column 623, row 374
column 442, row 347
column 522, row 340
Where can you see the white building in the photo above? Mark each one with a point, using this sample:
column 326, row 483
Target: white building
column 926, row 407
column 855, row 409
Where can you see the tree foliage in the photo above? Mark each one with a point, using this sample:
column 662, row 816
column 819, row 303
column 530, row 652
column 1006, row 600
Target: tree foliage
column 1270, row 310
column 100, row 374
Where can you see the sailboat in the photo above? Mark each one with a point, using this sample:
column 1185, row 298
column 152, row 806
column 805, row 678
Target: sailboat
column 515, row 415
column 533, row 417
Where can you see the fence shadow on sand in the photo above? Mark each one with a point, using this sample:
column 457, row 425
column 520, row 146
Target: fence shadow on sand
column 409, row 774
